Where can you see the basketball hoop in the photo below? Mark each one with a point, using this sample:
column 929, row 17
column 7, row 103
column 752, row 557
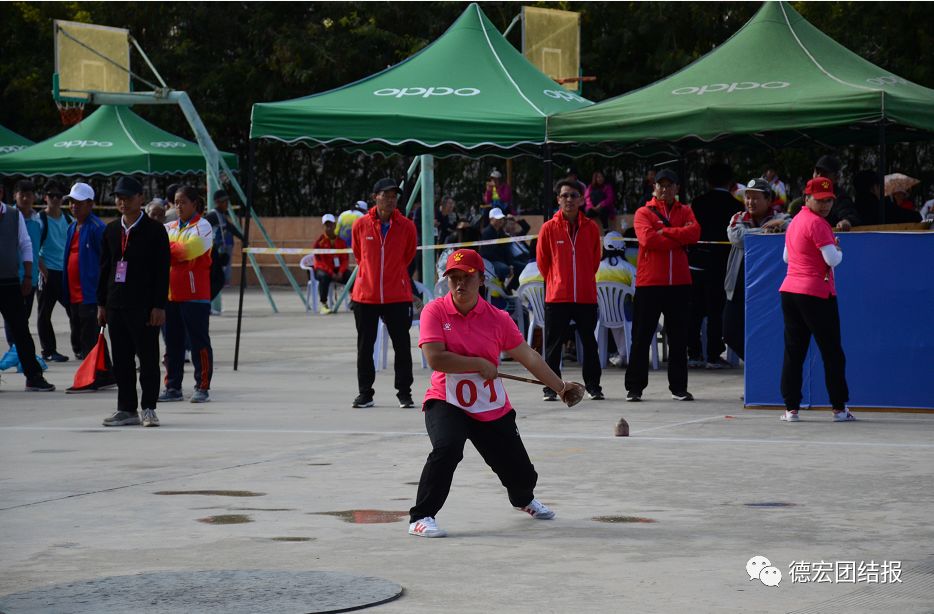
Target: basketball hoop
column 563, row 80
column 70, row 112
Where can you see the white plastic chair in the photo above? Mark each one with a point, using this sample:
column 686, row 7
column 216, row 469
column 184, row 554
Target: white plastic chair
column 533, row 293
column 611, row 298
column 311, row 288
column 381, row 349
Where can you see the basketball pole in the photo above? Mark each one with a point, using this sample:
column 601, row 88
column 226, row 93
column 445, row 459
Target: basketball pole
column 214, row 162
column 214, row 159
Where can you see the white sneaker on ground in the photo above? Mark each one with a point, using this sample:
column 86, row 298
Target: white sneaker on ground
column 843, row 416
column 150, row 418
column 538, row 510
column 426, row 527
column 790, row 417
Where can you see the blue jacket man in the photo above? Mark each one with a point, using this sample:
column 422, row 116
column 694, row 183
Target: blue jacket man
column 81, row 270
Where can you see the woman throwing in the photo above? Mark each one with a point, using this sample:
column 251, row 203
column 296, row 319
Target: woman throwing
column 809, row 302
column 462, row 336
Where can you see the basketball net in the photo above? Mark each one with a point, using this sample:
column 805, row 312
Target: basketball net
column 70, row 112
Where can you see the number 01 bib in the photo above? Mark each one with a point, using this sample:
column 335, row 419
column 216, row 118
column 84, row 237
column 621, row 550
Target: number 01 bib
column 474, row 394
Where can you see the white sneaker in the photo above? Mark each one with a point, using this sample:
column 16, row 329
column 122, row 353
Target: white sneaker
column 426, row 527
column 150, row 418
column 790, row 417
column 843, row 416
column 616, row 360
column 538, row 510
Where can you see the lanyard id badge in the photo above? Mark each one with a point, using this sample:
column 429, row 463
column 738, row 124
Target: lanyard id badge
column 120, row 275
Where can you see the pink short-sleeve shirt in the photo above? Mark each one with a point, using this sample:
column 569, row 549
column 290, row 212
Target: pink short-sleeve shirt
column 807, row 272
column 485, row 331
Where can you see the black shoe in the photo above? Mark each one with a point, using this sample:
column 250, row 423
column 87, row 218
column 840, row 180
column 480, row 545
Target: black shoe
column 54, row 357
column 682, row 396
column 550, row 395
column 363, row 400
column 633, row 396
column 596, row 394
column 405, row 400
column 38, row 384
column 80, row 355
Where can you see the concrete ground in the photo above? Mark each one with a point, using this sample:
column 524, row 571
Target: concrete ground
column 720, row 484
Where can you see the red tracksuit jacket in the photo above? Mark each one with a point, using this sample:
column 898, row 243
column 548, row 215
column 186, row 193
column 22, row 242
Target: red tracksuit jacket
column 662, row 259
column 383, row 262
column 569, row 265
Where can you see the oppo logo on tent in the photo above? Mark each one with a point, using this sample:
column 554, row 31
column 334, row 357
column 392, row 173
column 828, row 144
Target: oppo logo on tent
column 168, row 144
column 730, row 87
column 887, row 80
column 563, row 95
column 425, row 92
column 83, row 143
column 11, row 148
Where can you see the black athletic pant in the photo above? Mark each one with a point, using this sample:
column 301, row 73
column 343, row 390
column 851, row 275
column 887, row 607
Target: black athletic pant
column 188, row 326
column 27, row 302
column 805, row 316
column 497, row 441
column 648, row 304
column 131, row 337
column 707, row 301
column 324, row 283
column 84, row 327
column 558, row 318
column 398, row 320
column 15, row 320
column 49, row 295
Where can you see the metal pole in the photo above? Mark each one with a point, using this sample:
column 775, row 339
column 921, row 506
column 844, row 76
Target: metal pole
column 512, row 24
column 246, row 236
column 214, row 158
column 548, row 192
column 882, row 165
column 427, row 181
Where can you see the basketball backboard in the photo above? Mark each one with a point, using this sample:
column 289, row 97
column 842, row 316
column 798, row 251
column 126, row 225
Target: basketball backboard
column 551, row 41
column 90, row 58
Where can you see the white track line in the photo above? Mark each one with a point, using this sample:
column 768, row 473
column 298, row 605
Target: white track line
column 558, row 436
column 666, row 426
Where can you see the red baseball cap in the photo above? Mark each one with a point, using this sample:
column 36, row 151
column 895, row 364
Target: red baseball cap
column 466, row 260
column 820, row 188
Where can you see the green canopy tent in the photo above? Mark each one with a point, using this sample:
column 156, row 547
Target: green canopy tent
column 111, row 140
column 777, row 81
column 10, row 141
column 470, row 92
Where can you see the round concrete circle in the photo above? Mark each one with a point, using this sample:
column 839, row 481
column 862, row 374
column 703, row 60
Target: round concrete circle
column 230, row 592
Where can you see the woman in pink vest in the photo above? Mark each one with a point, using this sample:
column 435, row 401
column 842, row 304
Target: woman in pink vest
column 809, row 302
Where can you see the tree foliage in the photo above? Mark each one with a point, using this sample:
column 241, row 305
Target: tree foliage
column 229, row 55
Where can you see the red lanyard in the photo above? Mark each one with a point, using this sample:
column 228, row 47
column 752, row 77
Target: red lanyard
column 125, row 237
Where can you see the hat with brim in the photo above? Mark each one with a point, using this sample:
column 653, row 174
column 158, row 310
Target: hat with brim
column 820, row 188
column 466, row 260
column 127, row 186
column 80, row 192
column 328, row 217
column 496, row 213
column 759, row 185
column 666, row 173
column 385, row 184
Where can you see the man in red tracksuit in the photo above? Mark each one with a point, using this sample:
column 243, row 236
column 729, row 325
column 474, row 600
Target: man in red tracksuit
column 330, row 267
column 568, row 256
column 383, row 243
column 664, row 228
